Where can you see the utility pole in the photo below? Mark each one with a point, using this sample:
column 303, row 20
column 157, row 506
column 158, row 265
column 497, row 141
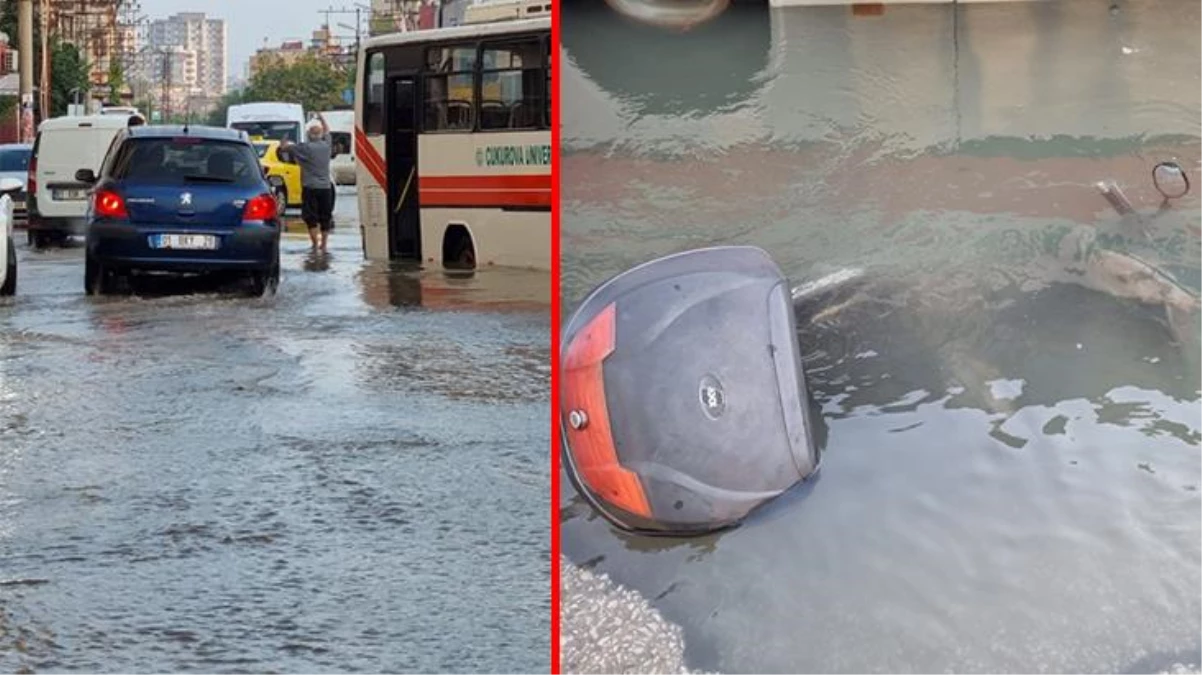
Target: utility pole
column 358, row 12
column 165, row 106
column 25, row 52
column 46, row 100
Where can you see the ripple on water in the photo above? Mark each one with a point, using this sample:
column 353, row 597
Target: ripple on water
column 213, row 484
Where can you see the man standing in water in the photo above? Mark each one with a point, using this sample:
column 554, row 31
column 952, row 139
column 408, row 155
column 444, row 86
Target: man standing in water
column 313, row 156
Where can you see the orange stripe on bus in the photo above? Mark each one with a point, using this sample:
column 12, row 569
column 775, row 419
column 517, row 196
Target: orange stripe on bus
column 504, row 182
column 434, row 198
column 372, row 167
column 370, row 158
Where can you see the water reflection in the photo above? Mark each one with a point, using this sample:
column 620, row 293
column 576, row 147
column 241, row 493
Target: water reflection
column 661, row 81
column 671, row 14
column 395, row 285
column 316, row 261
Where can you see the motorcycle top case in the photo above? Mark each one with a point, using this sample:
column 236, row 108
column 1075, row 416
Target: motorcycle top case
column 683, row 402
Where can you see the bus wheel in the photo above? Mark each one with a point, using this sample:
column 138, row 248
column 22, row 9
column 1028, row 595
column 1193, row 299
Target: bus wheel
column 458, row 250
column 466, row 258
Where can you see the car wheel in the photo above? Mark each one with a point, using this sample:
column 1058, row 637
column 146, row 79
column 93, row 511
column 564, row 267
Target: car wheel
column 40, row 239
column 281, row 199
column 96, row 279
column 265, row 282
column 10, row 277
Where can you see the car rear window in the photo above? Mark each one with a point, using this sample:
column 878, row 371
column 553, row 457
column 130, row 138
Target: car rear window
column 14, row 160
column 179, row 161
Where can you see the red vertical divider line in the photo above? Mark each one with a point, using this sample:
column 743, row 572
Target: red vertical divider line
column 557, row 7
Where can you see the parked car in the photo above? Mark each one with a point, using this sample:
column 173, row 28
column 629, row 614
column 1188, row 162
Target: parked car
column 14, row 163
column 8, row 252
column 180, row 200
column 283, row 174
column 58, row 203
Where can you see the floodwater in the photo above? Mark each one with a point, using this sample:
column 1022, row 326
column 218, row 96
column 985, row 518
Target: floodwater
column 349, row 476
column 1012, row 467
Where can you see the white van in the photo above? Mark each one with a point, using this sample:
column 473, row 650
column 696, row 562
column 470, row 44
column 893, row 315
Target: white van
column 119, row 110
column 342, row 137
column 57, row 203
column 269, row 121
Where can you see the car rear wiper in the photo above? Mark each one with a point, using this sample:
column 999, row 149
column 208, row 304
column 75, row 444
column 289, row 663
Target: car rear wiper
column 207, row 179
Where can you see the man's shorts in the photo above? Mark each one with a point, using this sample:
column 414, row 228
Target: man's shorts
column 317, row 208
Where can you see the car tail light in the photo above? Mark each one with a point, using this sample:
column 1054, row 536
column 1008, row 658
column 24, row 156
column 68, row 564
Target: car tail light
column 109, row 204
column 259, row 208
column 32, row 183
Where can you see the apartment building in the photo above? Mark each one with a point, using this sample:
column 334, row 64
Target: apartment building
column 205, row 37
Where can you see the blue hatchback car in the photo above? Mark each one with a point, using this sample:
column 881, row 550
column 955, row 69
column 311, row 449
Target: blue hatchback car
column 181, row 199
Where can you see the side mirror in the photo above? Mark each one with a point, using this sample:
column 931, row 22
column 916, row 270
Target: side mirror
column 8, row 185
column 1170, row 180
column 85, row 176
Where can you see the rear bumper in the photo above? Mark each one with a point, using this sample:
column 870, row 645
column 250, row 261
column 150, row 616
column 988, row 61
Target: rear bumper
column 126, row 246
column 34, row 221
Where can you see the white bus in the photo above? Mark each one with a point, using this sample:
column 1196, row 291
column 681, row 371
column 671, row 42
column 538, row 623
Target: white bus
column 453, row 145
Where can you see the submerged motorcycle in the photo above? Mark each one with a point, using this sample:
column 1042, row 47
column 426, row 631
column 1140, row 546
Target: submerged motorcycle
column 684, row 404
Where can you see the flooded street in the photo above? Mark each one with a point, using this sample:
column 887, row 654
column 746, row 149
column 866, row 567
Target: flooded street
column 347, row 476
column 1011, row 470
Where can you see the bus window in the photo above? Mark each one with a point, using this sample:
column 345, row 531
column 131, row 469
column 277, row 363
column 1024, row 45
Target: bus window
column 550, row 88
column 450, row 88
column 511, row 85
column 373, row 104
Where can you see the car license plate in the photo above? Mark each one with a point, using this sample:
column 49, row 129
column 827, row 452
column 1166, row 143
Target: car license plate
column 70, row 195
column 186, row 242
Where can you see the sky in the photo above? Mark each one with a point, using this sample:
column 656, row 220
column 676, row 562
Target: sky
column 248, row 22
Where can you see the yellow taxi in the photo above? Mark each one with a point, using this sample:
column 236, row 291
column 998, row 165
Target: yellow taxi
column 283, row 174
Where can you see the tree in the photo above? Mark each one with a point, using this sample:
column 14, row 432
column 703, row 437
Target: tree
column 217, row 114
column 315, row 84
column 8, row 20
column 68, row 71
column 116, row 81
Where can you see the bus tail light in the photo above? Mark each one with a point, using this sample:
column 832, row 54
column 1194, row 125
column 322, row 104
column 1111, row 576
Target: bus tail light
column 683, row 402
